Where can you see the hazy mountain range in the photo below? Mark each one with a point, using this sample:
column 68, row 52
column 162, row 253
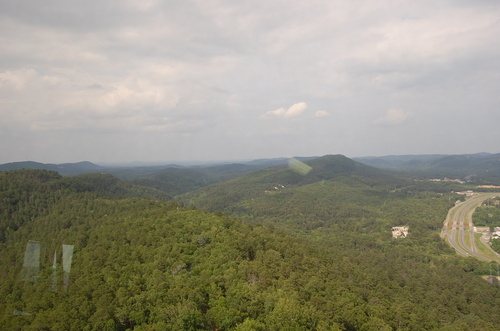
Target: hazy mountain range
column 483, row 166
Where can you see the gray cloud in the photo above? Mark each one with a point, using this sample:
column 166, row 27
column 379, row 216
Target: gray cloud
column 393, row 117
column 192, row 79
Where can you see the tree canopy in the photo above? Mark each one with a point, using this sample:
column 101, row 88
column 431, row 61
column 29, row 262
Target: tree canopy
column 148, row 264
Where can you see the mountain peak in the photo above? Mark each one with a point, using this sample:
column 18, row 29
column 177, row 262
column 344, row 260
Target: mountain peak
column 332, row 165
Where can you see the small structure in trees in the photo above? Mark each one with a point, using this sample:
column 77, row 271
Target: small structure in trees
column 400, row 231
column 496, row 233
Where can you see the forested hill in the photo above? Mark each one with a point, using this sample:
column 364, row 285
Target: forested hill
column 65, row 169
column 27, row 194
column 481, row 168
column 335, row 188
column 173, row 179
column 178, row 180
column 147, row 264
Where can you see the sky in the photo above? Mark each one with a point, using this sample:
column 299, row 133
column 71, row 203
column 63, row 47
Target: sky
column 163, row 81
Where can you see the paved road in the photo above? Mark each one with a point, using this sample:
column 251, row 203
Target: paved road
column 458, row 226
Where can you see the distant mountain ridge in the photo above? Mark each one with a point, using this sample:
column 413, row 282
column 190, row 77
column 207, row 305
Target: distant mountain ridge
column 484, row 166
column 284, row 194
column 170, row 178
column 65, row 169
column 178, row 179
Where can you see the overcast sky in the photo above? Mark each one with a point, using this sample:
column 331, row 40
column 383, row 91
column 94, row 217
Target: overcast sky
column 162, row 81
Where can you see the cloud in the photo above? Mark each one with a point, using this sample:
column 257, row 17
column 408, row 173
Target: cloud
column 322, row 113
column 207, row 69
column 66, row 102
column 394, row 117
column 295, row 110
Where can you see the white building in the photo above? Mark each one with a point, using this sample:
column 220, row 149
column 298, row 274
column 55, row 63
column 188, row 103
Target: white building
column 400, row 231
column 496, row 234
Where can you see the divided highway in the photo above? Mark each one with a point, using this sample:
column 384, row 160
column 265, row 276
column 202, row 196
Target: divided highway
column 458, row 229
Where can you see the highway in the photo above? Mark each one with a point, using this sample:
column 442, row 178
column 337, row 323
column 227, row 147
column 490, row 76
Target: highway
column 458, row 228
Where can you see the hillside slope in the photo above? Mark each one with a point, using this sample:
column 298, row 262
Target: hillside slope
column 172, row 179
column 65, row 169
column 481, row 168
column 146, row 264
column 335, row 189
column 175, row 181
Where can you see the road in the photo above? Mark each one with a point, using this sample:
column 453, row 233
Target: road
column 458, row 228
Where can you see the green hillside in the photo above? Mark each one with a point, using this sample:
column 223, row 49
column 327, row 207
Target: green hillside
column 172, row 179
column 65, row 169
column 338, row 202
column 145, row 264
column 179, row 180
column 481, row 168
column 336, row 190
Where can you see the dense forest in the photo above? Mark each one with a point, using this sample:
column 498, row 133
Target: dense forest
column 488, row 214
column 270, row 250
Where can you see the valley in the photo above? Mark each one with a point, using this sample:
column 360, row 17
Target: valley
column 237, row 248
